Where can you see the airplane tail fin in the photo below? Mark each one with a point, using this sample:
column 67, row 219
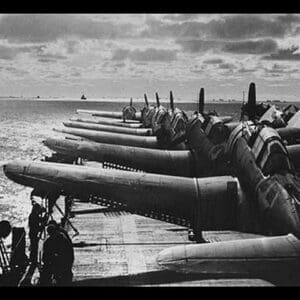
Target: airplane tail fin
column 201, row 100
column 157, row 100
column 171, row 101
column 146, row 100
column 250, row 108
column 252, row 94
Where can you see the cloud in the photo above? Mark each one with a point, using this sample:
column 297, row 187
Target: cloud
column 71, row 46
column 51, row 56
column 120, row 65
column 197, row 71
column 250, row 26
column 76, row 74
column 37, row 28
column 54, row 76
column 213, row 61
column 233, row 27
column 180, row 17
column 246, row 70
column 46, row 60
column 120, row 54
column 226, row 66
column 289, row 18
column 276, row 68
column 279, row 70
column 196, row 45
column 46, row 55
column 116, row 54
column 262, row 46
column 158, row 29
column 251, row 47
column 16, row 71
column 150, row 54
column 284, row 54
column 9, row 52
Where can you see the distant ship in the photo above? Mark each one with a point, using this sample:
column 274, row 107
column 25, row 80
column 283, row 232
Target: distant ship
column 83, row 97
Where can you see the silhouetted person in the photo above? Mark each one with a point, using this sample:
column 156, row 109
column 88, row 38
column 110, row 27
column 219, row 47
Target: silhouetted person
column 48, row 257
column 61, row 229
column 35, row 227
column 63, row 272
column 58, row 258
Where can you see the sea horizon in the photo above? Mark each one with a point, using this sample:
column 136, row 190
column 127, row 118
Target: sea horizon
column 138, row 100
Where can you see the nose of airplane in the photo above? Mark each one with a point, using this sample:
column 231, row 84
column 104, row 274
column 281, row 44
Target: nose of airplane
column 14, row 168
column 4, row 162
column 49, row 142
column 9, row 167
column 57, row 144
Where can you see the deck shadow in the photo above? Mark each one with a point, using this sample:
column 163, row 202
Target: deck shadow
column 161, row 277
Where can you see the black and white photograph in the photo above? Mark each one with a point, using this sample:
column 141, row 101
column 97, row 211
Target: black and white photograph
column 149, row 149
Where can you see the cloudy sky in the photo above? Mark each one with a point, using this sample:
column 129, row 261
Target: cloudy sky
column 120, row 55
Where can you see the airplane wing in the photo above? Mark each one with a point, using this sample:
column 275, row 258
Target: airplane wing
column 205, row 200
column 274, row 258
column 164, row 197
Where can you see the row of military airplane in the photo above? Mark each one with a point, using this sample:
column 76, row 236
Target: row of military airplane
column 203, row 171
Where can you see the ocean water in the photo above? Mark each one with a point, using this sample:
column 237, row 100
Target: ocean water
column 24, row 124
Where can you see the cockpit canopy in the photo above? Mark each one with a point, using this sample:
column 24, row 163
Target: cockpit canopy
column 269, row 151
column 179, row 120
column 243, row 129
column 147, row 115
column 128, row 112
column 215, row 130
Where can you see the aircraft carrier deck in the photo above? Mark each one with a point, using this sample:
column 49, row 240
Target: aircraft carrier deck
column 116, row 248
